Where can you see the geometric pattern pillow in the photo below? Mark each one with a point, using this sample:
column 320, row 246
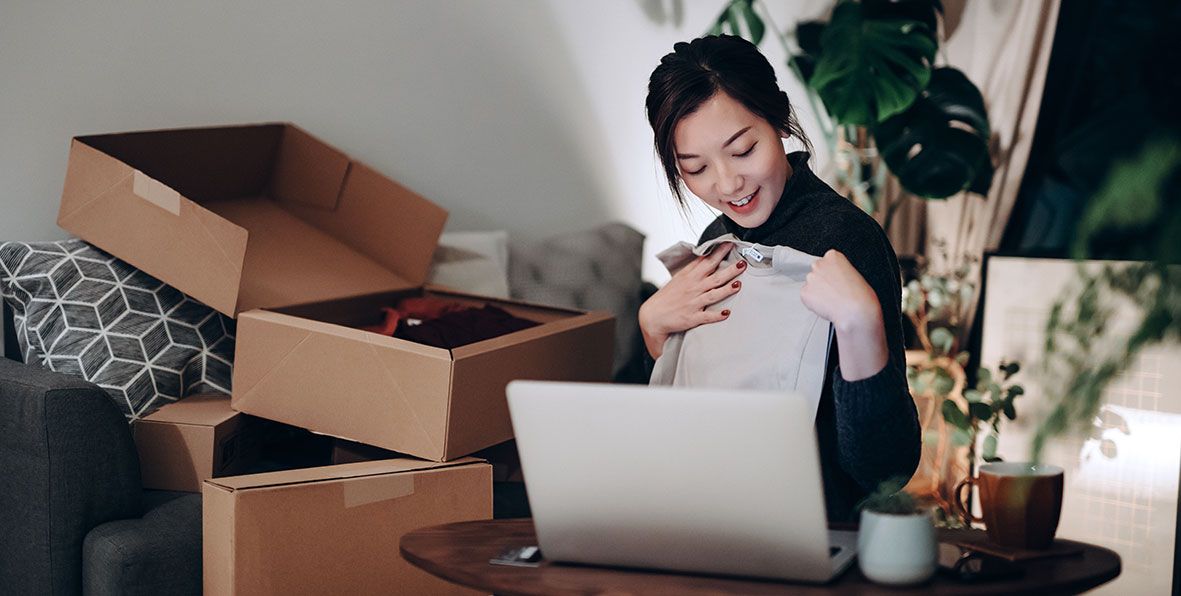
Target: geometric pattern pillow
column 78, row 310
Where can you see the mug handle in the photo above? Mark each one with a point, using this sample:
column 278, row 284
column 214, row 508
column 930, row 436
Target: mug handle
column 958, row 501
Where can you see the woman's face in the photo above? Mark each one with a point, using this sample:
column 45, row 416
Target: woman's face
column 732, row 160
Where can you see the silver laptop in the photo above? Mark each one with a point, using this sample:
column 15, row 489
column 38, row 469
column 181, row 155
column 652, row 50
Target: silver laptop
column 695, row 480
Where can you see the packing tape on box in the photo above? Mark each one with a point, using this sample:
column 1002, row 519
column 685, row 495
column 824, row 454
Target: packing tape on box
column 374, row 489
column 155, row 192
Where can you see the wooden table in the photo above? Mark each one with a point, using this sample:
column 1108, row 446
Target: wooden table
column 460, row 552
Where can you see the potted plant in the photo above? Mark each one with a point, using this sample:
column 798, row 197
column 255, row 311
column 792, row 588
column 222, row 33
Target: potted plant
column 880, row 100
column 896, row 540
column 951, row 413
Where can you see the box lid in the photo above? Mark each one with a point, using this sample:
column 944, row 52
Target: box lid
column 198, row 410
column 245, row 217
column 335, row 472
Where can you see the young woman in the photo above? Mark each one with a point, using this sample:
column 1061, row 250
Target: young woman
column 719, row 119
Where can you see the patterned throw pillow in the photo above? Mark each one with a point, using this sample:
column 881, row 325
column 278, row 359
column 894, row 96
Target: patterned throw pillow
column 78, row 310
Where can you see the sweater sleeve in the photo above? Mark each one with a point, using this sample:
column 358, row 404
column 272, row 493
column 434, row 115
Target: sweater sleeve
column 876, row 420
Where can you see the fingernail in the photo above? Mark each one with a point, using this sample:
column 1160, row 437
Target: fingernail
column 741, row 264
column 736, row 284
column 726, row 313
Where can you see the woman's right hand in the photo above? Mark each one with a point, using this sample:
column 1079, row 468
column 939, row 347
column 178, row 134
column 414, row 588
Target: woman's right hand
column 680, row 304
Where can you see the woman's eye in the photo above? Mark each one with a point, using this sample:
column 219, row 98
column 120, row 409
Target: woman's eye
column 695, row 172
column 747, row 152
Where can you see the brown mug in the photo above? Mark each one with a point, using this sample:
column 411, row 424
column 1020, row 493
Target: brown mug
column 1021, row 503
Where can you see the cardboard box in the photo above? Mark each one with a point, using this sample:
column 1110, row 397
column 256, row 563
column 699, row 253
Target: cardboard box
column 303, row 242
column 199, row 437
column 335, row 529
column 310, row 367
column 246, row 217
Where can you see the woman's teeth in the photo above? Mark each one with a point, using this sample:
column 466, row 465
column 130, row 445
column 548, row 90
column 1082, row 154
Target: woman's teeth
column 743, row 200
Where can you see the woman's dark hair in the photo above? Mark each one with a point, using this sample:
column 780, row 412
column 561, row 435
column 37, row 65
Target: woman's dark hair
column 698, row 69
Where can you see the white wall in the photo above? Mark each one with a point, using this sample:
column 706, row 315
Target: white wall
column 526, row 115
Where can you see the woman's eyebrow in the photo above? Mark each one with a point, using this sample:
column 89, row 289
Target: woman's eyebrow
column 732, row 138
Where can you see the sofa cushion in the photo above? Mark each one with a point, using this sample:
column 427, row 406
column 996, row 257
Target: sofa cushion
column 472, row 262
column 597, row 269
column 80, row 311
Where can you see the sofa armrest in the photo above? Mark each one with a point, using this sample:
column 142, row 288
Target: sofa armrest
column 157, row 554
column 68, row 464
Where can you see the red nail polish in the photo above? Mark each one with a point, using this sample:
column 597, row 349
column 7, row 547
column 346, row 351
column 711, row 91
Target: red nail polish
column 726, row 313
column 741, row 264
column 736, row 284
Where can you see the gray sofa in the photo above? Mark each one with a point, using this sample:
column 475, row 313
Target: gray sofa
column 74, row 517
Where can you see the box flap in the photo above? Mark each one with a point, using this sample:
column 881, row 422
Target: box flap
column 307, row 171
column 380, row 219
column 123, row 210
column 287, row 369
column 337, row 472
column 201, row 410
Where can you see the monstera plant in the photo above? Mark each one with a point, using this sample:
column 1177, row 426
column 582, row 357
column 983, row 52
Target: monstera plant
column 872, row 66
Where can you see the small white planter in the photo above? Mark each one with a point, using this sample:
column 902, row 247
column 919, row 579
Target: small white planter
column 896, row 549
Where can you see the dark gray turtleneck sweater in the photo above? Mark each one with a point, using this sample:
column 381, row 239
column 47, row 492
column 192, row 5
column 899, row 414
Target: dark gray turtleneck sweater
column 867, row 430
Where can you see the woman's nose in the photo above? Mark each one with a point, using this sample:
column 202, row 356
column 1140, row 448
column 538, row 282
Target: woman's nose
column 729, row 181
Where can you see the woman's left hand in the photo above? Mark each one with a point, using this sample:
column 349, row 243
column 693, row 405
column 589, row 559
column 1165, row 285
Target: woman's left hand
column 835, row 291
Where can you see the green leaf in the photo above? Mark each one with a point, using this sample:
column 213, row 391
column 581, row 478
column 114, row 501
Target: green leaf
column 989, row 451
column 871, row 69
column 942, row 340
column 943, row 383
column 980, row 410
column 754, row 24
column 1133, row 205
column 953, row 415
column 973, row 396
column 918, row 385
column 1015, row 391
column 983, row 378
column 939, row 145
column 960, row 437
column 995, row 391
column 1010, row 411
column 962, row 358
column 808, row 34
column 1010, row 369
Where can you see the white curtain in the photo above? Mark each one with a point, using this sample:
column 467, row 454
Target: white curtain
column 1004, row 48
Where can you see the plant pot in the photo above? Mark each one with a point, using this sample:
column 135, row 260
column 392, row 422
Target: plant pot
column 896, row 549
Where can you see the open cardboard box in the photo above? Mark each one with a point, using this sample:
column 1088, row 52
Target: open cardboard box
column 334, row 529
column 311, row 366
column 270, row 223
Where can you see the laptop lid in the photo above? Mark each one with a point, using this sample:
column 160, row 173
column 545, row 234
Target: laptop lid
column 708, row 481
